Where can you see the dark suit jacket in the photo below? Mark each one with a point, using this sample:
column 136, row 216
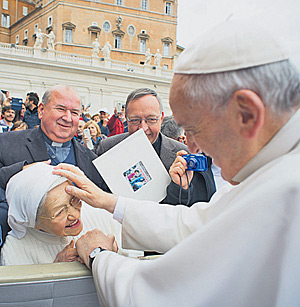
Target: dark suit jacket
column 28, row 146
column 203, row 186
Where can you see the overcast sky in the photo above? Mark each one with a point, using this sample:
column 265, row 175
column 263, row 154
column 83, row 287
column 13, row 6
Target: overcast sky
column 281, row 17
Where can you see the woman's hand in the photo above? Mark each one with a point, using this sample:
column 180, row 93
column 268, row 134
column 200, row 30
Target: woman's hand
column 178, row 168
column 85, row 189
column 68, row 254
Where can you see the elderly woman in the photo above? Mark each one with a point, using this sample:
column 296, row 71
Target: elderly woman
column 95, row 133
column 44, row 219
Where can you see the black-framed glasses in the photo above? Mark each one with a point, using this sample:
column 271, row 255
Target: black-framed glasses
column 138, row 121
column 63, row 212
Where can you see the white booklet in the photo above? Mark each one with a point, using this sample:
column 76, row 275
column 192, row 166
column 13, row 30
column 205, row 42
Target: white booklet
column 133, row 169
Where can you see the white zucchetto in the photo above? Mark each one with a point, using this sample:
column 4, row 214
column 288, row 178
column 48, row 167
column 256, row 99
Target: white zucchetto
column 231, row 45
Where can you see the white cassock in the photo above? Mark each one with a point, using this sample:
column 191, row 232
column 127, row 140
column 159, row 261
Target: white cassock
column 241, row 249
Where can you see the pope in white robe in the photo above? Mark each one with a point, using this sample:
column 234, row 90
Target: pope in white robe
column 243, row 247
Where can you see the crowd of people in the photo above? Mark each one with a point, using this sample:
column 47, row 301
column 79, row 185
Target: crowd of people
column 235, row 96
column 11, row 117
column 56, row 133
column 27, row 118
column 101, row 125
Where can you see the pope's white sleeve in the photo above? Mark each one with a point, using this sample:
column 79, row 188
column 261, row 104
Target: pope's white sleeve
column 238, row 258
column 118, row 213
column 157, row 227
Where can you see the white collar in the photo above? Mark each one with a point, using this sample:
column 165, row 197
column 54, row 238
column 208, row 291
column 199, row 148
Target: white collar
column 282, row 143
column 55, row 144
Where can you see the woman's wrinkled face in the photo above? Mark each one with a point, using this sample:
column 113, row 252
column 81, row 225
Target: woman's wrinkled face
column 61, row 213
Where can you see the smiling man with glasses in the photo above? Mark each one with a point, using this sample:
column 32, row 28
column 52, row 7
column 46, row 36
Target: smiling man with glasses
column 144, row 110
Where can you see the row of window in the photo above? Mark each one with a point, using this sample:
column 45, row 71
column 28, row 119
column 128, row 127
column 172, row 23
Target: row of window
column 5, row 7
column 165, row 51
column 145, row 5
column 68, row 36
column 5, row 18
column 118, row 42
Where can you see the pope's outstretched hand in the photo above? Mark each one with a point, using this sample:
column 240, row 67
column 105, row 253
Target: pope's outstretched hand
column 85, row 189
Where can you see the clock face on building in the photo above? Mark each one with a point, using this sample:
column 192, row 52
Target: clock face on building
column 106, row 26
column 131, row 30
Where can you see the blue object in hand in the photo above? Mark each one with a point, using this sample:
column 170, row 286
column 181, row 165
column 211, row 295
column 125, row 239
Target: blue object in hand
column 196, row 162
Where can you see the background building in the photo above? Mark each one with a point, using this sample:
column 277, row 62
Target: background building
column 130, row 26
column 13, row 11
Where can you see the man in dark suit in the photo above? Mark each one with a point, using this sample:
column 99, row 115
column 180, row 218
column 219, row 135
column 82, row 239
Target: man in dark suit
column 53, row 141
column 143, row 110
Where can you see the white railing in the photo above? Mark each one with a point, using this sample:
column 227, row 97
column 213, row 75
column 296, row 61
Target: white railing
column 119, row 65
column 16, row 49
column 72, row 57
column 23, row 50
column 65, row 57
column 5, row 46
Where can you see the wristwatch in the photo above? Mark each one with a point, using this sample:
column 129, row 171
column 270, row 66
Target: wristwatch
column 93, row 255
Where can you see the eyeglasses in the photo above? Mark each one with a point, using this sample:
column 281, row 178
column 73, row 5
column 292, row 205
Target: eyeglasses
column 137, row 121
column 63, row 212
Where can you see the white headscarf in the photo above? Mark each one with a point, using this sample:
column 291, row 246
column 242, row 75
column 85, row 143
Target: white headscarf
column 24, row 192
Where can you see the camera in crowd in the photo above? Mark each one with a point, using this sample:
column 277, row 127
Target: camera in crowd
column 16, row 104
column 196, row 162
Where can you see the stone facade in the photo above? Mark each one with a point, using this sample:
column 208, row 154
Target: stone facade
column 130, row 26
column 11, row 12
column 99, row 83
